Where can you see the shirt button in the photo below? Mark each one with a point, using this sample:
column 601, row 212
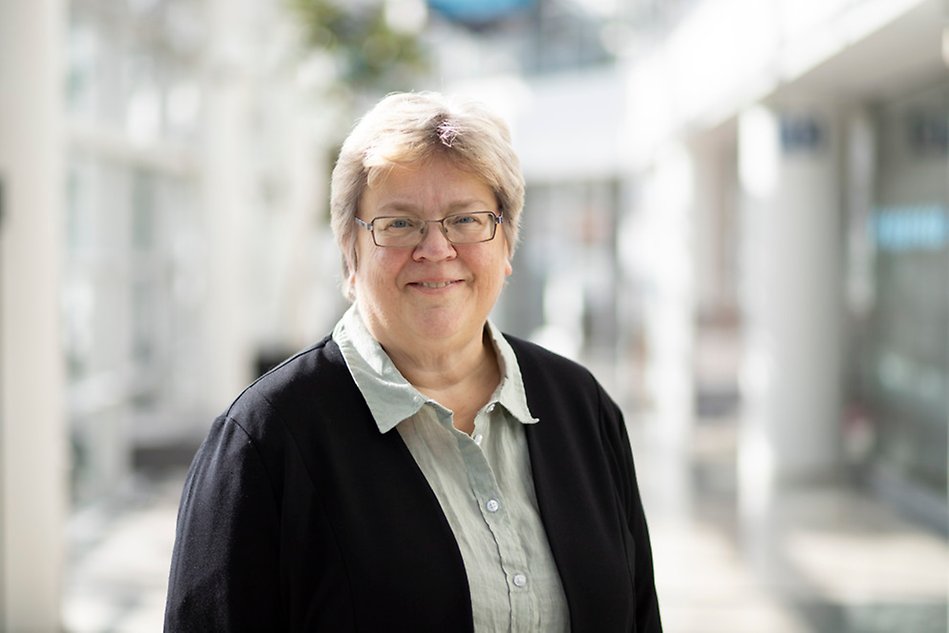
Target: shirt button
column 492, row 505
column 491, row 408
column 478, row 439
column 520, row 580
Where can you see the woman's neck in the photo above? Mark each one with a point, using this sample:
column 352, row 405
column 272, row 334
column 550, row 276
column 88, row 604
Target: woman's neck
column 461, row 379
column 434, row 366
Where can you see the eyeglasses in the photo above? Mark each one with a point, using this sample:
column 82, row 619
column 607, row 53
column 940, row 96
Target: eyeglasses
column 458, row 228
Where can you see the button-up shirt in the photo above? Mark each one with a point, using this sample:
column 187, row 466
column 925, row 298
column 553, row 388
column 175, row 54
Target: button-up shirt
column 482, row 481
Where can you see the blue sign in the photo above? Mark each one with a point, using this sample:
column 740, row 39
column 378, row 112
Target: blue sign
column 929, row 133
column 801, row 133
column 924, row 227
column 478, row 11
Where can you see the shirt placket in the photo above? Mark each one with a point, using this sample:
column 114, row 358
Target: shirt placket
column 495, row 512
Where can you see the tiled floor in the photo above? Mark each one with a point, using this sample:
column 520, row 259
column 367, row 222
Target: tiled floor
column 118, row 562
column 814, row 560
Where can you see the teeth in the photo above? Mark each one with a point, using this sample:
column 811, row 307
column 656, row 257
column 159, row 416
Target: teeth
column 434, row 284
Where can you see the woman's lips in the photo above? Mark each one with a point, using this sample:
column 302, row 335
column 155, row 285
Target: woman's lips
column 434, row 285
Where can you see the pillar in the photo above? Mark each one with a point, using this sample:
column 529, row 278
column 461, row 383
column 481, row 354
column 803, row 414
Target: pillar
column 229, row 191
column 32, row 429
column 663, row 250
column 790, row 293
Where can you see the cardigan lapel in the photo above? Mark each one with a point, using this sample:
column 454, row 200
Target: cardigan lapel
column 397, row 516
column 575, row 494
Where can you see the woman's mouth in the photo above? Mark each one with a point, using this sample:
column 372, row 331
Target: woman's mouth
column 434, row 285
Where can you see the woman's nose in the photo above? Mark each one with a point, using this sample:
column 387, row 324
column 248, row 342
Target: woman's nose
column 434, row 244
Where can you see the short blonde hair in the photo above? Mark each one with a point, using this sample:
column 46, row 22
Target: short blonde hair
column 407, row 128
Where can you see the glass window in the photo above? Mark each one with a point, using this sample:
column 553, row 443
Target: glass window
column 902, row 347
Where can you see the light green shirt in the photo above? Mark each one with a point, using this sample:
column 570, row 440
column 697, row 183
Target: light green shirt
column 482, row 481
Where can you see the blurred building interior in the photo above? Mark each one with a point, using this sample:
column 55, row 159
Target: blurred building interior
column 737, row 214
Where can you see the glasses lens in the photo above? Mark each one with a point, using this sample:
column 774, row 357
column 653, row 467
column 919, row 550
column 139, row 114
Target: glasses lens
column 467, row 228
column 400, row 231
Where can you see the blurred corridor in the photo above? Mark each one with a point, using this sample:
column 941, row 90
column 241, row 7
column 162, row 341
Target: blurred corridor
column 737, row 215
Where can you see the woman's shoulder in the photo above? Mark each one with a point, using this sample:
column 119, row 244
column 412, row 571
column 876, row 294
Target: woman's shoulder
column 554, row 382
column 293, row 386
column 298, row 412
column 533, row 358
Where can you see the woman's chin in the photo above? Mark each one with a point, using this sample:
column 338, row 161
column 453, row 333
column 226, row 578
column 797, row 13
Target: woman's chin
column 442, row 325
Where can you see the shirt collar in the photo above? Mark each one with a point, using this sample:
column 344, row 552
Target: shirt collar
column 391, row 398
column 510, row 393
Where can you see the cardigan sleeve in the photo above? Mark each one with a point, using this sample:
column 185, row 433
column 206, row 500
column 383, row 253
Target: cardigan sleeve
column 224, row 571
column 620, row 455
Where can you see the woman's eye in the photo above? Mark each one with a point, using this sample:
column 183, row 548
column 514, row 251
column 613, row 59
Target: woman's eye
column 460, row 220
column 398, row 224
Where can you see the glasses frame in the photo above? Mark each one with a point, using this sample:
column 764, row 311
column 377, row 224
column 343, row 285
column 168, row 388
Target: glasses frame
column 498, row 219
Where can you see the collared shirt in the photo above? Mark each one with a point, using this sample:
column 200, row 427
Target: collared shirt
column 483, row 482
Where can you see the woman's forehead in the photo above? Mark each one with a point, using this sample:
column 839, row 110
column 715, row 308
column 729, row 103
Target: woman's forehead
column 414, row 187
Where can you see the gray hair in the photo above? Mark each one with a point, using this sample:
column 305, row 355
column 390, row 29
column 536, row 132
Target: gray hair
column 407, row 128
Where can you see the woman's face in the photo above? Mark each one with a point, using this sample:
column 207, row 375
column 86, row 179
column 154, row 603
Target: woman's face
column 436, row 293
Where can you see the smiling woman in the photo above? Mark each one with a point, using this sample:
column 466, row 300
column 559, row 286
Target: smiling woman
column 418, row 470
column 427, row 304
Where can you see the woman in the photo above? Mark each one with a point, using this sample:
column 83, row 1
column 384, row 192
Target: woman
column 417, row 470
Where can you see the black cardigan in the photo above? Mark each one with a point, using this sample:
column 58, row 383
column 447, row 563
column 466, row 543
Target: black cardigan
column 298, row 515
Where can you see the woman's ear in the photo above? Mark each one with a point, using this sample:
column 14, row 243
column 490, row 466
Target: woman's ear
column 353, row 262
column 349, row 269
column 508, row 256
column 351, row 279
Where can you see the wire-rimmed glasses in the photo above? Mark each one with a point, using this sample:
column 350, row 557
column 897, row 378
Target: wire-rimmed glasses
column 459, row 228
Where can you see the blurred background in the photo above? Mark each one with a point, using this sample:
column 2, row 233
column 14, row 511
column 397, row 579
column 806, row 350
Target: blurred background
column 737, row 215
